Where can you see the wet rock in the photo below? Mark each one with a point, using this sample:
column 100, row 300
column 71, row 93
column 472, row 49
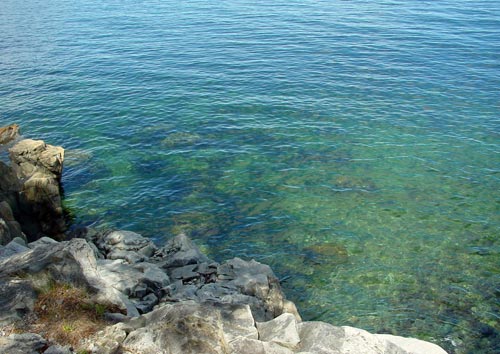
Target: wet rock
column 181, row 139
column 9, row 133
column 25, row 343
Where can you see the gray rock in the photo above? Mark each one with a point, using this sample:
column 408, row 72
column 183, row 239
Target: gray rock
column 257, row 280
column 125, row 277
column 282, row 330
column 127, row 241
column 147, row 303
column 180, row 251
column 180, row 328
column 58, row 349
column 237, row 322
column 12, row 248
column 25, row 343
column 42, row 241
column 16, row 300
column 71, row 262
column 319, row 337
column 243, row 345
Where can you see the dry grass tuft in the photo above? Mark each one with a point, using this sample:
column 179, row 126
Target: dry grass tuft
column 67, row 315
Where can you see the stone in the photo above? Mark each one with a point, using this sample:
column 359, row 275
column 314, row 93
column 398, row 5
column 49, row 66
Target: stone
column 121, row 244
column 257, row 280
column 17, row 299
column 70, row 262
column 125, row 277
column 412, row 345
column 38, row 167
column 243, row 345
column 178, row 328
column 12, row 248
column 25, row 343
column 147, row 303
column 237, row 322
column 180, row 251
column 320, row 337
column 356, row 340
column 59, row 349
column 42, row 241
column 9, row 133
column 281, row 330
column 29, row 156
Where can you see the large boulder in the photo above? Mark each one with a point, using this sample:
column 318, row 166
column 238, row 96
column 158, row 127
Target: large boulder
column 71, row 262
column 24, row 343
column 38, row 167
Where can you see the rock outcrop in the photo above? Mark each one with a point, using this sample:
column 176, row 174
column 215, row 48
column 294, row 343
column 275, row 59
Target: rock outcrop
column 30, row 189
column 176, row 300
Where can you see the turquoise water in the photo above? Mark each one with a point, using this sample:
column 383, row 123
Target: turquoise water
column 351, row 145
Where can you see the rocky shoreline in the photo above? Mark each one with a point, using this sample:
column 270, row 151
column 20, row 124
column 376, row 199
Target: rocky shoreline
column 149, row 299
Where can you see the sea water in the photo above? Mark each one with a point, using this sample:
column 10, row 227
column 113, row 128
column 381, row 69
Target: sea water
column 352, row 145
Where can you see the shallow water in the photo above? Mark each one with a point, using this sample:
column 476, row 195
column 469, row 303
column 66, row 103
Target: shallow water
column 353, row 146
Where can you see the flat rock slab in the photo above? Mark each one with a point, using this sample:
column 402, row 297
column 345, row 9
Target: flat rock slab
column 282, row 330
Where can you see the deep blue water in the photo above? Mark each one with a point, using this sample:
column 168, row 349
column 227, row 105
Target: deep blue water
column 351, row 145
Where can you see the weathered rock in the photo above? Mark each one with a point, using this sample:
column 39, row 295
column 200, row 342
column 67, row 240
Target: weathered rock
column 257, row 280
column 39, row 167
column 281, row 330
column 59, row 349
column 320, row 337
column 25, row 343
column 9, row 187
column 42, row 241
column 126, row 277
column 17, row 299
column 180, row 328
column 9, row 133
column 30, row 156
column 180, row 251
column 237, row 322
column 251, row 346
column 412, row 345
column 126, row 245
column 71, row 262
column 14, row 246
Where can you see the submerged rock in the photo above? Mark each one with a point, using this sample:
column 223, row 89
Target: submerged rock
column 9, row 133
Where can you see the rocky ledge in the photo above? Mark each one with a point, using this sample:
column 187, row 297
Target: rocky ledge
column 170, row 299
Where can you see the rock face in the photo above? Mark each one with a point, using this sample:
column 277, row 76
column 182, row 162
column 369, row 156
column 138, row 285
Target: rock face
column 38, row 167
column 189, row 304
column 30, row 190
